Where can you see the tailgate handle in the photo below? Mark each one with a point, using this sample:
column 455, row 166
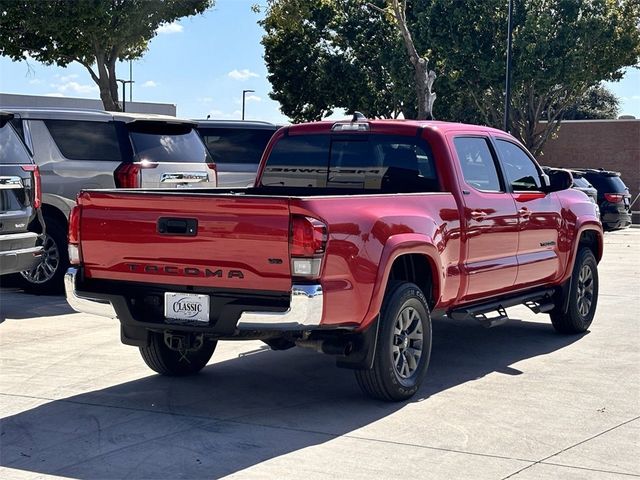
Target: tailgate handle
column 178, row 226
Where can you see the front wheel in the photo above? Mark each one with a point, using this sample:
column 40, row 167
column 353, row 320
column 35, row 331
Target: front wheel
column 403, row 346
column 176, row 363
column 583, row 296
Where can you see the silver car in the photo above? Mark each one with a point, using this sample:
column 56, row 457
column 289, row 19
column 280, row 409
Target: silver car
column 88, row 149
column 236, row 146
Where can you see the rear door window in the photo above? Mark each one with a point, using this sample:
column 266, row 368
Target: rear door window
column 83, row 140
column 236, row 145
column 478, row 163
column 521, row 172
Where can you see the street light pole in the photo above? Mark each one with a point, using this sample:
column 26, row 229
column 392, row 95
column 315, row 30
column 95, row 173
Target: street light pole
column 507, row 93
column 124, row 91
column 244, row 92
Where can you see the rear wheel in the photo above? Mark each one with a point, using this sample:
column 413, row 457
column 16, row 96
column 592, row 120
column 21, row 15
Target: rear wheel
column 403, row 347
column 48, row 275
column 177, row 363
column 583, row 296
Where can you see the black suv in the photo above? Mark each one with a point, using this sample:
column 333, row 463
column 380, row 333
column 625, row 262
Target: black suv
column 19, row 201
column 613, row 198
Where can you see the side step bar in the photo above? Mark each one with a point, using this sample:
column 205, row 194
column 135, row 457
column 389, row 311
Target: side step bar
column 540, row 301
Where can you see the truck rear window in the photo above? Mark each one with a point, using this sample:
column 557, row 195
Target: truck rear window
column 374, row 163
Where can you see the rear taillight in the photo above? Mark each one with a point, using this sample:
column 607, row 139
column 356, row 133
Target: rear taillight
column 74, row 236
column 613, row 197
column 307, row 244
column 127, row 175
column 212, row 166
column 37, row 185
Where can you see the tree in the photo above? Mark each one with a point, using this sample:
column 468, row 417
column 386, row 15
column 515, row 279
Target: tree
column 599, row 103
column 423, row 77
column 94, row 33
column 561, row 48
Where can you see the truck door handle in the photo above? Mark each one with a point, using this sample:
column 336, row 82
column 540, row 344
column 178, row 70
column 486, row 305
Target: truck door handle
column 178, row 226
column 478, row 214
column 524, row 212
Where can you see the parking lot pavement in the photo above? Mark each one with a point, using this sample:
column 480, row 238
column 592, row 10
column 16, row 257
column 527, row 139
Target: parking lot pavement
column 516, row 401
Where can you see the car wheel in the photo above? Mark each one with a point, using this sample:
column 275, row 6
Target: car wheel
column 403, row 347
column 48, row 275
column 165, row 361
column 583, row 296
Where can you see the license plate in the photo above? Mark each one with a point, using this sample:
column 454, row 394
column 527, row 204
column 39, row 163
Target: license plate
column 186, row 306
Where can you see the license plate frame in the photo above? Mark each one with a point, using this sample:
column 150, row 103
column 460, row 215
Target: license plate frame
column 186, row 307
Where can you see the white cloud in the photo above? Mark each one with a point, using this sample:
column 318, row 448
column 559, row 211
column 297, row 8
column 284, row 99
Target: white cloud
column 150, row 84
column 35, row 81
column 253, row 98
column 75, row 87
column 168, row 28
column 242, row 75
column 220, row 115
column 66, row 78
column 54, row 94
column 205, row 99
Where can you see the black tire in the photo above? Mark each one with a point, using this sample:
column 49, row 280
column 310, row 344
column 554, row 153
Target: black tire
column 388, row 379
column 579, row 315
column 46, row 278
column 163, row 360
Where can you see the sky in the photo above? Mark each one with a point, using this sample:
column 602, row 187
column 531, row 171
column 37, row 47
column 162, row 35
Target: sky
column 202, row 64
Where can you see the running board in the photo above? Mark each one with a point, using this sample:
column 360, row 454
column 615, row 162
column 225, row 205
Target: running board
column 538, row 302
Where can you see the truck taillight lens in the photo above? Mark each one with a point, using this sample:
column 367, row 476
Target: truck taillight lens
column 308, row 241
column 127, row 175
column 613, row 197
column 37, row 184
column 74, row 236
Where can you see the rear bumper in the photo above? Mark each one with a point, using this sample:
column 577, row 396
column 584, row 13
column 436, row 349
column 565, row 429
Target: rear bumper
column 304, row 312
column 616, row 220
column 18, row 252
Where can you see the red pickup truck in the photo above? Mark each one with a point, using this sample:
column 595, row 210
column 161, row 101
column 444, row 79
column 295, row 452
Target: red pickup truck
column 355, row 235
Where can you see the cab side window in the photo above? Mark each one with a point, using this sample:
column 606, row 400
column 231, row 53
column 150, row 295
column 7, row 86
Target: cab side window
column 521, row 172
column 478, row 163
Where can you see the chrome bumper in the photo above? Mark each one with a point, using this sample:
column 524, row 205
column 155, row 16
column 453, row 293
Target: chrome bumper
column 85, row 304
column 305, row 310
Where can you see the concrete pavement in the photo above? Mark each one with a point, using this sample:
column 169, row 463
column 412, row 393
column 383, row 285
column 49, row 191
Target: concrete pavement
column 517, row 401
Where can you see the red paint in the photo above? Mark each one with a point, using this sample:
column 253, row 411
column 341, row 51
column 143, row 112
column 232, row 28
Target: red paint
column 479, row 245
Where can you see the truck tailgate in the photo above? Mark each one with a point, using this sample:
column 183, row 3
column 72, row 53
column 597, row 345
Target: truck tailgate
column 208, row 240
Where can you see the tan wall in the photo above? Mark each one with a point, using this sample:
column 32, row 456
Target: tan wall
column 608, row 144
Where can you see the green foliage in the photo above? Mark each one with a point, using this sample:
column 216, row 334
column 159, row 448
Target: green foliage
column 597, row 103
column 91, row 32
column 341, row 53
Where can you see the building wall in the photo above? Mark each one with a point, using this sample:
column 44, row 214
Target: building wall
column 609, row 144
column 14, row 100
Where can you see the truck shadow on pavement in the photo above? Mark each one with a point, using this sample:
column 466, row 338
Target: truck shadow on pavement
column 243, row 411
column 17, row 305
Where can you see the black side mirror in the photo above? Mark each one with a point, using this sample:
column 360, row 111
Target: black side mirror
column 558, row 180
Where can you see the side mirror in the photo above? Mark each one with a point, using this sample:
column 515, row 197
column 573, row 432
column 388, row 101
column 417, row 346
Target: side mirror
column 558, row 180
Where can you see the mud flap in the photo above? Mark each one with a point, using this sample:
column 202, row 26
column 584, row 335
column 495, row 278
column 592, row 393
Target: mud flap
column 134, row 336
column 361, row 358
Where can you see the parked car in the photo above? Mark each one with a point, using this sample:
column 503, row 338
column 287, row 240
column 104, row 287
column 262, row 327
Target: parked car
column 614, row 198
column 236, row 148
column 579, row 182
column 78, row 149
column 20, row 199
column 354, row 236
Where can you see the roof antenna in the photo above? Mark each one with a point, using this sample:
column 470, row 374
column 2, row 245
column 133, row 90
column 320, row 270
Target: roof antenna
column 358, row 117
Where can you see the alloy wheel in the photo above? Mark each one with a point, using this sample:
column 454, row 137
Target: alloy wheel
column 407, row 341
column 49, row 263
